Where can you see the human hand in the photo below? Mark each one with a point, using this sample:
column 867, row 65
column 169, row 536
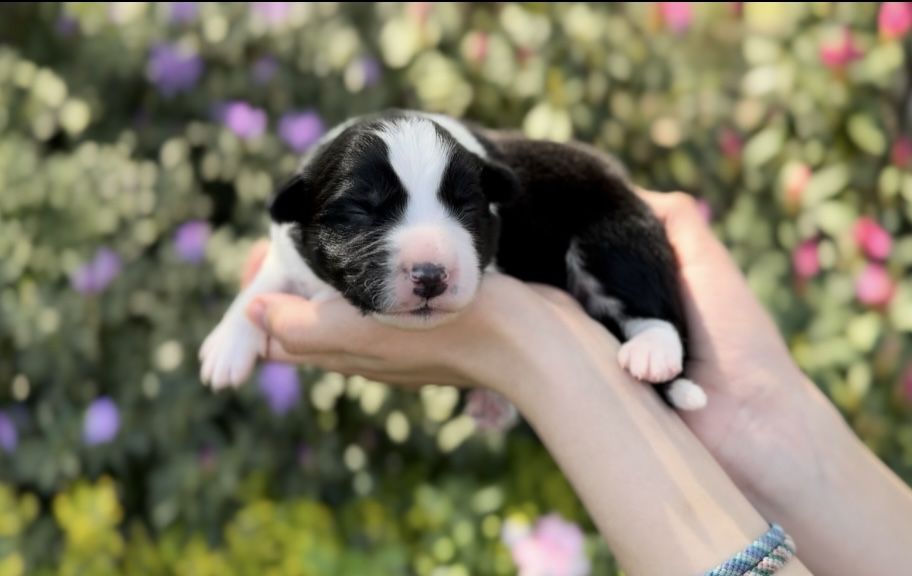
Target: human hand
column 756, row 391
column 510, row 329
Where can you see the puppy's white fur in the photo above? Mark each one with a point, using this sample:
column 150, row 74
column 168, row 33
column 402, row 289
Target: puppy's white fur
column 229, row 353
column 653, row 351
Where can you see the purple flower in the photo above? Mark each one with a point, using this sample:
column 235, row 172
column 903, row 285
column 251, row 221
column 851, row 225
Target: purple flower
column 207, row 458
column 66, row 26
column 9, row 437
column 244, row 120
column 95, row 276
column 305, row 455
column 371, row 69
column 101, row 423
column 264, row 70
column 272, row 12
column 190, row 241
column 183, row 12
column 173, row 69
column 300, row 130
column 280, row 387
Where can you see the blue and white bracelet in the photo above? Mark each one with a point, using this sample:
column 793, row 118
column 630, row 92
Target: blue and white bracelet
column 764, row 557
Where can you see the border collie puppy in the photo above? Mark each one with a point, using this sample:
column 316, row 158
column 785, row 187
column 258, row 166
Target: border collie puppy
column 403, row 212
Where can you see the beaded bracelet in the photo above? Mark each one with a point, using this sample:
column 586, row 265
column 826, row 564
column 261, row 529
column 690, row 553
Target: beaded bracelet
column 765, row 556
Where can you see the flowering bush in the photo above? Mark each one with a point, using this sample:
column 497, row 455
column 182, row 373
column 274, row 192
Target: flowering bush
column 139, row 142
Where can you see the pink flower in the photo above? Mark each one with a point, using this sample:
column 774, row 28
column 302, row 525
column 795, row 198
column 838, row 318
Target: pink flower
column 873, row 240
column 905, row 384
column 873, row 286
column 806, row 260
column 839, row 53
column 901, row 154
column 477, row 46
column 894, row 19
column 273, row 13
column 705, row 209
column 554, row 547
column 420, row 10
column 491, row 411
column 677, row 16
column 731, row 143
column 796, row 180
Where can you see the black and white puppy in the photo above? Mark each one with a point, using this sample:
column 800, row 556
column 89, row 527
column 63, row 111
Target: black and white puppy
column 403, row 212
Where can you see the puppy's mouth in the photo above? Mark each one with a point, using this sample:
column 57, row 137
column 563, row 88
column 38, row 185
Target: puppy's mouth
column 424, row 310
column 425, row 316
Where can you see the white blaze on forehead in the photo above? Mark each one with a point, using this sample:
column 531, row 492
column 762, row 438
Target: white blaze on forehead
column 428, row 232
column 419, row 157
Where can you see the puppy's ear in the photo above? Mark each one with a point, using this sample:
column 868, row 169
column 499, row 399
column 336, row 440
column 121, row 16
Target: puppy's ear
column 292, row 202
column 499, row 183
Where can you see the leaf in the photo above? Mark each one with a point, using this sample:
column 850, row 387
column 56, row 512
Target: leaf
column 764, row 146
column 826, row 183
column 866, row 134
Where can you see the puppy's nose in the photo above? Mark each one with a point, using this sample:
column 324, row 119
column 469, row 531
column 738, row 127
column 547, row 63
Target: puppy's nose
column 429, row 279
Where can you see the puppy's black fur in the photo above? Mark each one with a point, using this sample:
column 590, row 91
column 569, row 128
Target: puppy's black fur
column 552, row 198
column 574, row 194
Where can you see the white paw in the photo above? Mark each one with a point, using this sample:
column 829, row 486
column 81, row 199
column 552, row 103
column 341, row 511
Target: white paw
column 686, row 395
column 654, row 355
column 229, row 353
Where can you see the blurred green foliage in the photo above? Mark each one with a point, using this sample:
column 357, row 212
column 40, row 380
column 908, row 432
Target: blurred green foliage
column 790, row 122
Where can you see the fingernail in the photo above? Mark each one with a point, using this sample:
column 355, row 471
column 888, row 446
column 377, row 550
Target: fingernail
column 257, row 313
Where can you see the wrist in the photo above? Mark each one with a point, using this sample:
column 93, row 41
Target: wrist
column 781, row 450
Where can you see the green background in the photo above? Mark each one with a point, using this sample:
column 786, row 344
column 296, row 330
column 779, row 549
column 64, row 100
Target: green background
column 737, row 107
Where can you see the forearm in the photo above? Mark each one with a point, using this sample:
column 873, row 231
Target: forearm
column 661, row 502
column 848, row 512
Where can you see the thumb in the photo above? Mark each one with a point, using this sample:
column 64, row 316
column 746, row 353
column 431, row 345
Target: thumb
column 299, row 325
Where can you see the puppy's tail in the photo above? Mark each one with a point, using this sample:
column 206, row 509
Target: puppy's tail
column 683, row 394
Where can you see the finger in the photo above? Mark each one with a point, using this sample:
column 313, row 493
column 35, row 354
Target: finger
column 305, row 327
column 678, row 210
column 350, row 365
column 326, row 360
column 687, row 230
column 254, row 261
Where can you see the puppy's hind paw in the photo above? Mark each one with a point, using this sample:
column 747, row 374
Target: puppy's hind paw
column 654, row 355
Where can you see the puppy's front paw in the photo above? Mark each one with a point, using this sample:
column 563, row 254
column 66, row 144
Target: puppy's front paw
column 654, row 355
column 229, row 353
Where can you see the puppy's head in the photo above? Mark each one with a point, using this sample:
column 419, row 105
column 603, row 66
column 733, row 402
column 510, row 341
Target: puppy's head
column 397, row 214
